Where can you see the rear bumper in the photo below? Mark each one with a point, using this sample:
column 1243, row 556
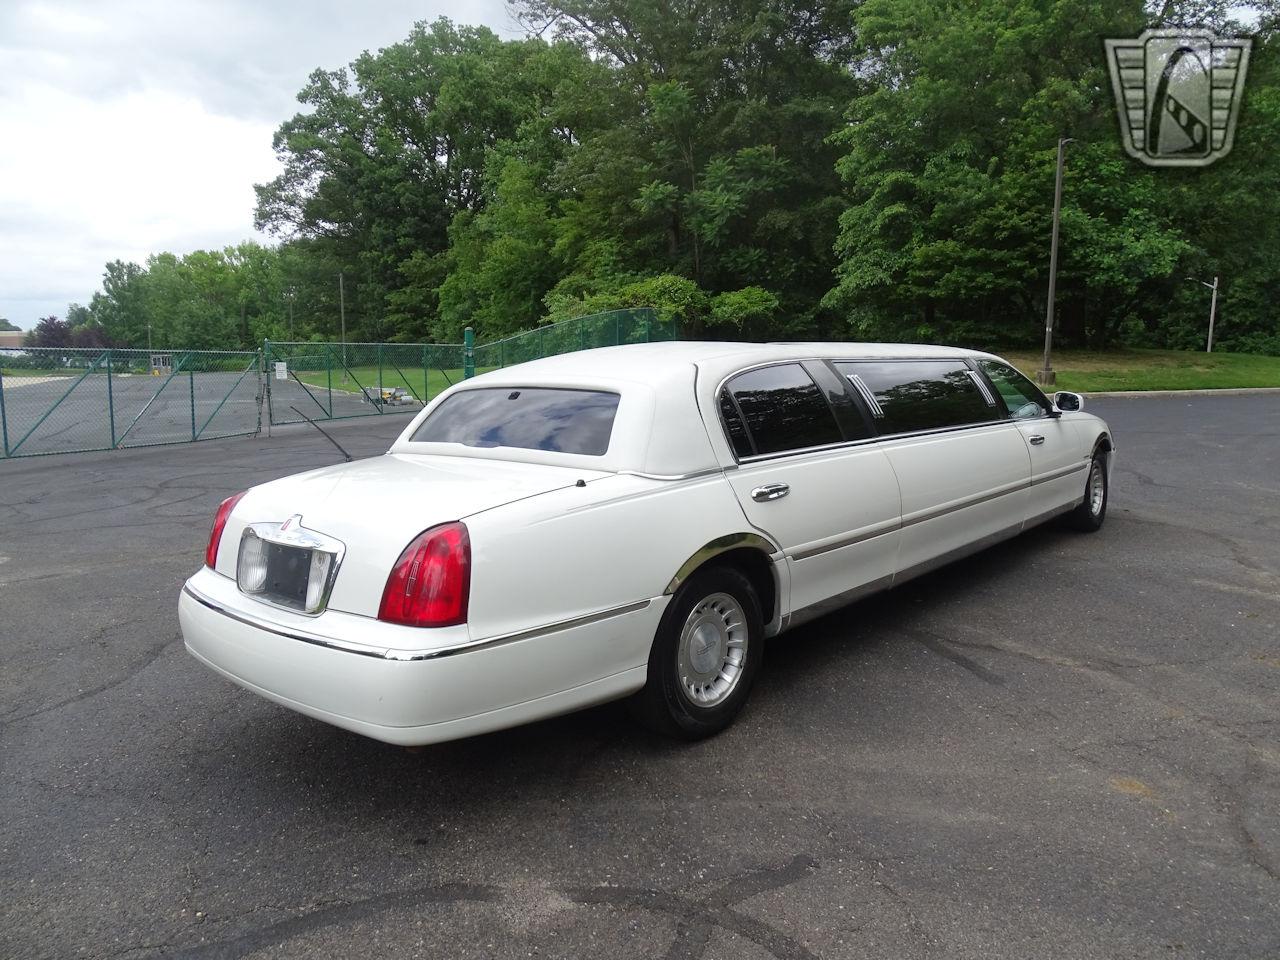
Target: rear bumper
column 459, row 692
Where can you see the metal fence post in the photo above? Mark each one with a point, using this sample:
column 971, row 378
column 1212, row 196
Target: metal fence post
column 380, row 376
column 264, row 386
column 191, row 381
column 426, row 376
column 468, row 354
column 328, row 372
column 111, row 405
column 4, row 423
column 648, row 332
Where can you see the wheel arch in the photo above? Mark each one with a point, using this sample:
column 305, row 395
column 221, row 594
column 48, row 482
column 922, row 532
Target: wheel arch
column 752, row 556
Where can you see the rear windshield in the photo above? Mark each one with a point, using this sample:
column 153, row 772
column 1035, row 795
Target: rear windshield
column 530, row 418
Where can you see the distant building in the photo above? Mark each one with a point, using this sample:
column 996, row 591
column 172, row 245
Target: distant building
column 12, row 338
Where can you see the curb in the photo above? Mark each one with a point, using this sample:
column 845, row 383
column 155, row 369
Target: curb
column 1224, row 392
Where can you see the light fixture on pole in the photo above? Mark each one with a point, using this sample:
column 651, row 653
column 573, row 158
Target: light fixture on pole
column 290, row 293
column 1045, row 375
column 1213, row 307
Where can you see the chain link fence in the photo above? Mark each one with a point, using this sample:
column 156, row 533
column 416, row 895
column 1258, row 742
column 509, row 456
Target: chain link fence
column 634, row 325
column 335, row 381
column 56, row 400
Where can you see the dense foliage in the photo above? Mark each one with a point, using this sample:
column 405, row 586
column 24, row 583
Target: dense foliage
column 760, row 168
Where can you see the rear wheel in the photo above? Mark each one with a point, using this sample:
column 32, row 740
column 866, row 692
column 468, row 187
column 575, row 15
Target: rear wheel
column 1093, row 510
column 705, row 656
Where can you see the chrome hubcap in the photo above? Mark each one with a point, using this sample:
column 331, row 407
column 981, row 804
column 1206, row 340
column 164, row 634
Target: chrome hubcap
column 712, row 650
column 1097, row 489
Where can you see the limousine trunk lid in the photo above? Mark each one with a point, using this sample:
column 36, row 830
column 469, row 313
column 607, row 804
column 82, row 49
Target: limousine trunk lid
column 375, row 507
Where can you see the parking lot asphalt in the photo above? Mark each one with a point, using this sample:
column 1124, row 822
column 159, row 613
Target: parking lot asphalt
column 1064, row 747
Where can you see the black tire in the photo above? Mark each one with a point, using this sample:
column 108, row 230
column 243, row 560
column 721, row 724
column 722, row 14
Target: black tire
column 666, row 705
column 1088, row 516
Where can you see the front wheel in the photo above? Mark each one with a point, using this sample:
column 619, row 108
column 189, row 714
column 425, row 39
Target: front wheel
column 1093, row 510
column 705, row 656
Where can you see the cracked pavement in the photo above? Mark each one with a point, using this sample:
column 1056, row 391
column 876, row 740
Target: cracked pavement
column 1066, row 746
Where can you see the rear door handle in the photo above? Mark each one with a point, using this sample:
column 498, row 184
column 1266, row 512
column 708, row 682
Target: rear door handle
column 1036, row 440
column 770, row 491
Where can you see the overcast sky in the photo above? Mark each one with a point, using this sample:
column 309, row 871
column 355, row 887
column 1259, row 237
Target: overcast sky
column 128, row 127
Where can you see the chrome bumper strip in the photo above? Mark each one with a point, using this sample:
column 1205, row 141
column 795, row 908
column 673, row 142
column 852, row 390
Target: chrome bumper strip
column 385, row 653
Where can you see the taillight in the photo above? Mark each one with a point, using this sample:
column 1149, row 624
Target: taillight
column 431, row 582
column 215, row 535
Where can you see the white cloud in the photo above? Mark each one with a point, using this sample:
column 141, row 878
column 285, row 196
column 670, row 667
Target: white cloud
column 128, row 127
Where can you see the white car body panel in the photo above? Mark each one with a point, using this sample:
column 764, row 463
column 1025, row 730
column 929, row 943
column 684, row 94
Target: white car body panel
column 981, row 493
column 575, row 558
column 854, row 539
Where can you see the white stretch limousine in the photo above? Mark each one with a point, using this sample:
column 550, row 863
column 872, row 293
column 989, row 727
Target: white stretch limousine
column 625, row 521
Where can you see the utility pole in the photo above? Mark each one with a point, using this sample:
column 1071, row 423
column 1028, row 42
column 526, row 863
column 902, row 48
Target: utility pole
column 342, row 312
column 1046, row 376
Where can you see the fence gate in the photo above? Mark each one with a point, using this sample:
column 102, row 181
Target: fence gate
column 68, row 400
column 335, row 381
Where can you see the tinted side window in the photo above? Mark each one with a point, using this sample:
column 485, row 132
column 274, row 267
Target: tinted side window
column 734, row 426
column 1020, row 395
column 784, row 409
column 531, row 418
column 910, row 395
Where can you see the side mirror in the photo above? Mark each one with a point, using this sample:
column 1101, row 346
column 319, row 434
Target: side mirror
column 1068, row 402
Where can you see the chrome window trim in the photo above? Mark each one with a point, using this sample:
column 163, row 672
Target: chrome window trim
column 877, row 411
column 982, row 386
column 388, row 653
column 760, row 458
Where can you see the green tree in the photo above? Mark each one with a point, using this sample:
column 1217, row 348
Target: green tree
column 718, row 167
column 949, row 167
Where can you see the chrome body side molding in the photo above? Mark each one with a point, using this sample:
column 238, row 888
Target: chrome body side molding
column 385, row 653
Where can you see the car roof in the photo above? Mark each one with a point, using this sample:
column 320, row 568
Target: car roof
column 655, row 362
column 659, row 429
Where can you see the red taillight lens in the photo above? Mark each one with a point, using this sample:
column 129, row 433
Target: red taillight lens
column 215, row 535
column 431, row 582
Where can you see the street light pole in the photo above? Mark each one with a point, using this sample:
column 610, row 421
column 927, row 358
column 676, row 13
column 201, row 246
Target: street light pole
column 1046, row 376
column 1213, row 308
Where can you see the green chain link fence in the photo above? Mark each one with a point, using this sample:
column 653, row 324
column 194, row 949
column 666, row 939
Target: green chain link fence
column 55, row 400
column 72, row 400
column 636, row 325
column 333, row 381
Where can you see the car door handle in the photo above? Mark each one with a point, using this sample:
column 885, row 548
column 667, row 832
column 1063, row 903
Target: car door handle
column 770, row 491
column 1036, row 440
